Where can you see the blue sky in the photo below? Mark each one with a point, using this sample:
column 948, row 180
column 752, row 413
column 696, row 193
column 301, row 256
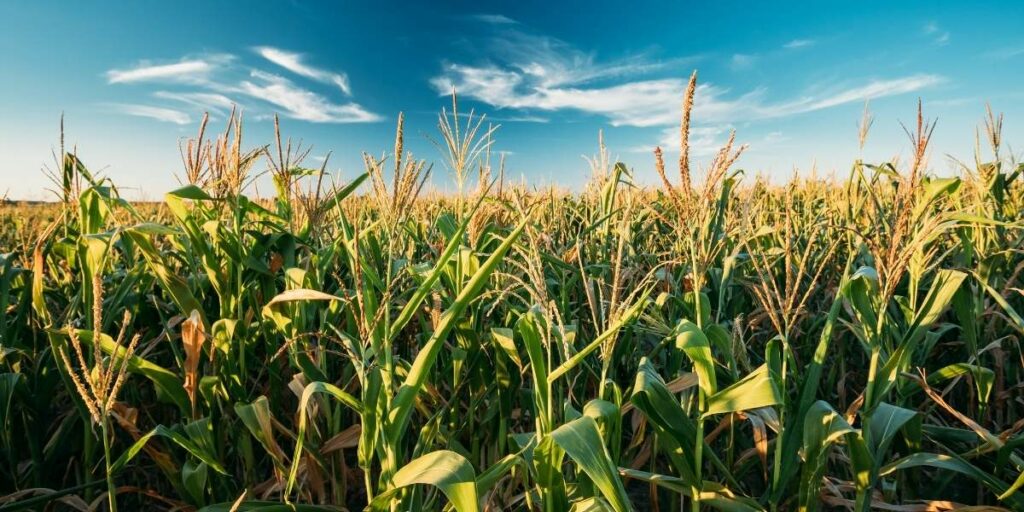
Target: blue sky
column 134, row 78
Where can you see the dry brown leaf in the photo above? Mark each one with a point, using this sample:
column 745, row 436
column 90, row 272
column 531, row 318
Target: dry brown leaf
column 193, row 335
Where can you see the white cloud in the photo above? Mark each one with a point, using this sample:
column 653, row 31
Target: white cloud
column 799, row 43
column 186, row 71
column 160, row 114
column 703, row 140
column 938, row 36
column 213, row 83
column 528, row 72
column 873, row 89
column 650, row 102
column 294, row 62
column 635, row 104
column 655, row 103
column 300, row 103
column 552, row 62
column 217, row 103
column 496, row 19
column 707, row 141
column 545, row 73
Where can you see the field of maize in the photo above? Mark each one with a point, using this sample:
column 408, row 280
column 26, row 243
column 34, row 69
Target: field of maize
column 716, row 342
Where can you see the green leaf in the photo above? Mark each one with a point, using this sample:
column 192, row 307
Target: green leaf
column 593, row 504
column 1017, row 321
column 983, row 377
column 652, row 397
column 175, row 199
column 958, row 465
column 425, row 287
column 612, row 330
column 169, row 279
column 756, row 390
column 259, row 420
column 862, row 292
column 307, row 394
column 192, row 441
column 402, row 406
column 932, row 189
column 346, row 191
column 503, row 338
column 529, row 326
column 8, row 384
column 692, row 341
column 489, row 478
column 444, row 469
column 713, row 494
column 886, row 421
column 275, row 309
column 823, row 427
column 944, row 286
column 193, row 476
column 582, row 442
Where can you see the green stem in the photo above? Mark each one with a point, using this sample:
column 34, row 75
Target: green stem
column 778, row 454
column 111, row 494
column 698, row 455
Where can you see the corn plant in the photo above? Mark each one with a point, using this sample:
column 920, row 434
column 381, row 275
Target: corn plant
column 717, row 342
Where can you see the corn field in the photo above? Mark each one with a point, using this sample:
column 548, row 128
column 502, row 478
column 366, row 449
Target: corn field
column 716, row 342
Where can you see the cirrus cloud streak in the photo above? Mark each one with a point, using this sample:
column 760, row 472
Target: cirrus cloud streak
column 216, row 82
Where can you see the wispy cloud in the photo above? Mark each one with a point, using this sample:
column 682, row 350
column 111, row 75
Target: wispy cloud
column 799, row 43
column 547, row 75
column 536, row 72
column 300, row 103
column 872, row 89
column 496, row 19
column 633, row 104
column 187, row 71
column 294, row 62
column 217, row 103
column 215, row 83
column 938, row 36
column 528, row 74
column 166, row 115
column 551, row 62
column 703, row 141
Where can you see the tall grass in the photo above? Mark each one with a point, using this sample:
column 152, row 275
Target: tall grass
column 718, row 342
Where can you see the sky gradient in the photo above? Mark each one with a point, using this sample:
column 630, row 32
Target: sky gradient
column 133, row 79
